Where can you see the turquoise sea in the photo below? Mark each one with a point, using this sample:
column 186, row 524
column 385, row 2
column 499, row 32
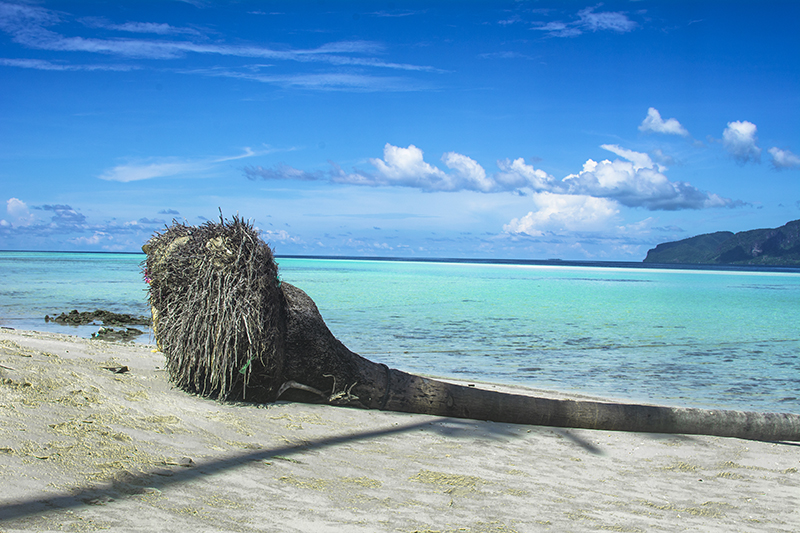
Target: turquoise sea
column 690, row 337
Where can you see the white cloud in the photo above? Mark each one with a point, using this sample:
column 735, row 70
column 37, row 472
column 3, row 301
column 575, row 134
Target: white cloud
column 561, row 29
column 654, row 122
column 608, row 20
column 40, row 64
column 634, row 181
column 158, row 28
column 784, row 159
column 637, row 228
column 282, row 236
column 662, row 158
column 146, row 171
column 248, row 152
column 327, row 81
column 517, row 174
column 28, row 26
column 406, row 167
column 588, row 20
column 35, row 28
column 559, row 213
column 152, row 27
column 639, row 159
column 16, row 207
column 18, row 213
column 471, row 175
column 96, row 238
column 739, row 139
column 169, row 167
column 637, row 182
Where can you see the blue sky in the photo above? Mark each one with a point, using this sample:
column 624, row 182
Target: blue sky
column 512, row 129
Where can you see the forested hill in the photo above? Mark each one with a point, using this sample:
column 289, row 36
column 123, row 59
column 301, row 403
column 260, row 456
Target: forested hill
column 778, row 246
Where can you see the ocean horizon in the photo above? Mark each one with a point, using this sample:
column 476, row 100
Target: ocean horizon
column 481, row 260
column 687, row 335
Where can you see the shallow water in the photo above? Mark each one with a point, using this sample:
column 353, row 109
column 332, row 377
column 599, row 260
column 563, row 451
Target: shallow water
column 722, row 339
column 35, row 284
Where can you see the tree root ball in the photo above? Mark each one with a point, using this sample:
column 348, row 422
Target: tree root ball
column 218, row 310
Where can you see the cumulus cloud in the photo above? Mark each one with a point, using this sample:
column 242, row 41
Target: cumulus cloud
column 589, row 201
column 517, row 174
column 406, row 167
column 653, row 122
column 18, row 213
column 400, row 167
column 556, row 213
column 469, row 174
column 636, row 181
column 740, row 140
column 639, row 159
column 16, row 208
column 783, row 159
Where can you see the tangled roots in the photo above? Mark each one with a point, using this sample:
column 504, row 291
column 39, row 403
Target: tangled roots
column 218, row 310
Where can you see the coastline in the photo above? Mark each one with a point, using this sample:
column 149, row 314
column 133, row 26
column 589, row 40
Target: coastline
column 643, row 348
column 83, row 447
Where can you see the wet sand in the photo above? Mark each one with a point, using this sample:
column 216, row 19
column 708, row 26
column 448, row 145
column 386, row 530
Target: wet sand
column 86, row 445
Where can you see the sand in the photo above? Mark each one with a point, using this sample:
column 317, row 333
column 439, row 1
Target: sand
column 92, row 436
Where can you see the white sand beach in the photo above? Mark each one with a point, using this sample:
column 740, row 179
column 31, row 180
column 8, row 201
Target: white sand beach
column 93, row 436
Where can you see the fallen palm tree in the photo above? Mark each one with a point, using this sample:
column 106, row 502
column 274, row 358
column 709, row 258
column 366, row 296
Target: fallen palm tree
column 231, row 330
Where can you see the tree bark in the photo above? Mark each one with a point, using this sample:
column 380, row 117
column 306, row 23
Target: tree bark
column 319, row 368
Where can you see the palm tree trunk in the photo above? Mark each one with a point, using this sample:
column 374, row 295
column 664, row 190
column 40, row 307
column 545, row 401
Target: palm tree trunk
column 315, row 361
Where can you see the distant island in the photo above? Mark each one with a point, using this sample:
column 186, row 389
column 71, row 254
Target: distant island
column 773, row 247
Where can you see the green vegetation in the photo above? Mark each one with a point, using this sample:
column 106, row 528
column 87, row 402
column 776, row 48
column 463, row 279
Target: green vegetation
column 776, row 247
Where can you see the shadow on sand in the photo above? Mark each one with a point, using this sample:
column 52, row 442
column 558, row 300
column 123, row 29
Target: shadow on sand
column 158, row 478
